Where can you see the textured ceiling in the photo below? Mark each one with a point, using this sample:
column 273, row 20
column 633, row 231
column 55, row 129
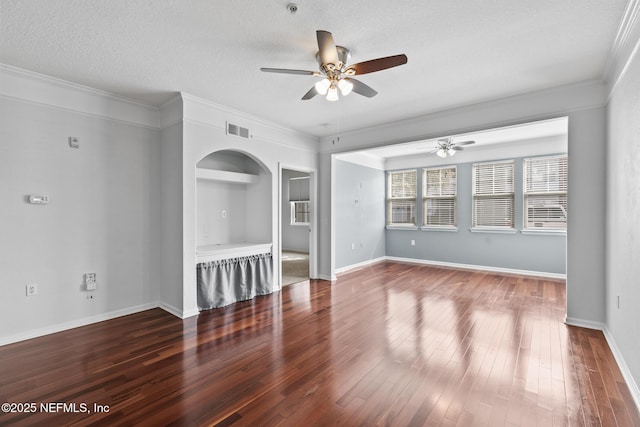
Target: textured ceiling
column 460, row 52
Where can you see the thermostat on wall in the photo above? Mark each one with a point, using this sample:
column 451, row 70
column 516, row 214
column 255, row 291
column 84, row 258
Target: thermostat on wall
column 38, row 200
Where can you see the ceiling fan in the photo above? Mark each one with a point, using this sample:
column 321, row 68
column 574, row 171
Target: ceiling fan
column 337, row 73
column 446, row 147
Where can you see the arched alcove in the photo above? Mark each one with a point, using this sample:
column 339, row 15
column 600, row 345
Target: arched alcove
column 234, row 233
column 233, row 199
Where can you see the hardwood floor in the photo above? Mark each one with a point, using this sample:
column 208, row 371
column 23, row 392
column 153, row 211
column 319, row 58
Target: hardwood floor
column 392, row 344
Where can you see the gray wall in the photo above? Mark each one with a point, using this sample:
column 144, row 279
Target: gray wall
column 538, row 253
column 359, row 210
column 294, row 237
column 100, row 217
column 623, row 219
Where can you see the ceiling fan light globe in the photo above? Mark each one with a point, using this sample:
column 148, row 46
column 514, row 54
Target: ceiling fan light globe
column 441, row 153
column 322, row 86
column 345, row 87
column 451, row 152
column 332, row 94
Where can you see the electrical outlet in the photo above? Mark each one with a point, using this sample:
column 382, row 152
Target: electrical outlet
column 90, row 281
column 413, row 243
column 223, row 213
column 32, row 289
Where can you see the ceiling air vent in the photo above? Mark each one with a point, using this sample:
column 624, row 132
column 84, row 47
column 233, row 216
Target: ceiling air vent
column 237, row 130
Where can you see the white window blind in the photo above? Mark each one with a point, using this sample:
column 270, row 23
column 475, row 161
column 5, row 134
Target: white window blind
column 439, row 189
column 545, row 192
column 299, row 213
column 401, row 197
column 493, row 194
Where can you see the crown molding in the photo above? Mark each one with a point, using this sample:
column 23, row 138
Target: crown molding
column 204, row 112
column 512, row 110
column 49, row 91
column 625, row 46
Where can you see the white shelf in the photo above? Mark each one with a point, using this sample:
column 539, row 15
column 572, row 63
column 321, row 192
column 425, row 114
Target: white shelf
column 210, row 253
column 219, row 175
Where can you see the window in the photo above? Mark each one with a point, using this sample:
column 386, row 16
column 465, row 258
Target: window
column 439, row 197
column 299, row 200
column 299, row 213
column 401, row 197
column 493, row 198
column 545, row 193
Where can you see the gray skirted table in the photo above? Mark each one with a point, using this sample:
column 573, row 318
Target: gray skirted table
column 233, row 272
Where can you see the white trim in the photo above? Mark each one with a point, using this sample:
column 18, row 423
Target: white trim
column 544, row 104
column 67, row 96
column 180, row 314
column 359, row 264
column 493, row 230
column 547, row 232
column 581, row 323
column 478, row 267
column 74, row 111
column 401, row 227
column 313, row 225
column 52, row 329
column 615, row 350
column 209, row 113
column 625, row 47
column 170, row 309
column 624, row 368
column 331, row 278
column 450, row 229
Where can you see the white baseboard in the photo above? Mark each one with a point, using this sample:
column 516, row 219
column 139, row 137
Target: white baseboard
column 176, row 311
column 34, row 333
column 581, row 323
column 622, row 364
column 478, row 267
column 360, row 264
column 331, row 278
column 624, row 368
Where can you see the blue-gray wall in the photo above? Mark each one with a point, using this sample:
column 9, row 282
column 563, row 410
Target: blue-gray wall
column 536, row 253
column 359, row 213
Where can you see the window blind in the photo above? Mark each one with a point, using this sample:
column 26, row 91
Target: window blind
column 545, row 192
column 439, row 197
column 401, row 197
column 493, row 194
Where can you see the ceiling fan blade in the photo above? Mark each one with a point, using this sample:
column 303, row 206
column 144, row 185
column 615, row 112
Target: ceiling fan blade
column 288, row 71
column 362, row 89
column 377, row 64
column 312, row 92
column 456, row 148
column 464, row 143
column 327, row 48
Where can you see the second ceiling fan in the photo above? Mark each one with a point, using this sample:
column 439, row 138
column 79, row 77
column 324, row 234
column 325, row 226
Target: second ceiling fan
column 337, row 73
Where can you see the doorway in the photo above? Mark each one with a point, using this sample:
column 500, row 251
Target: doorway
column 295, row 226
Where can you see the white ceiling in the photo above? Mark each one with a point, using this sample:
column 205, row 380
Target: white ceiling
column 460, row 52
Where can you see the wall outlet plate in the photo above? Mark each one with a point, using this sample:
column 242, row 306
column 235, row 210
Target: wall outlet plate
column 32, row 289
column 90, row 281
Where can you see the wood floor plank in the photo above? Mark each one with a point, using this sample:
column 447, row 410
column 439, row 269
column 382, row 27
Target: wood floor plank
column 391, row 344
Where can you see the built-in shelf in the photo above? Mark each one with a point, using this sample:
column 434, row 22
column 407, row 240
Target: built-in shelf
column 208, row 253
column 226, row 176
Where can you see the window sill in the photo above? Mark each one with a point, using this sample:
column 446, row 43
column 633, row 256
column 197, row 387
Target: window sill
column 301, row 224
column 493, row 230
column 402, row 227
column 432, row 228
column 544, row 232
